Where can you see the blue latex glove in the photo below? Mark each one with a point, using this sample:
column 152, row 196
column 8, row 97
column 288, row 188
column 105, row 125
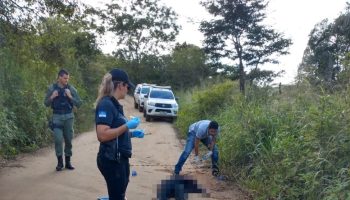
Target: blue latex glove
column 133, row 123
column 207, row 156
column 139, row 133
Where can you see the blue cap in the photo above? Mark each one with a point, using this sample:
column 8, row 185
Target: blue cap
column 121, row 75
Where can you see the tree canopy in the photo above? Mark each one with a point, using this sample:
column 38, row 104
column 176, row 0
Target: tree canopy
column 237, row 33
column 186, row 67
column 328, row 46
column 141, row 27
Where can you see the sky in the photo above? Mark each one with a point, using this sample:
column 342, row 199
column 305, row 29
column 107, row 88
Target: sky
column 294, row 18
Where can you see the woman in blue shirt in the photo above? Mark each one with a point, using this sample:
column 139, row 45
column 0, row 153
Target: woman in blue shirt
column 112, row 129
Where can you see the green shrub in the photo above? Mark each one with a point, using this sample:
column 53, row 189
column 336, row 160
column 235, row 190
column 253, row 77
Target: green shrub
column 9, row 134
column 204, row 103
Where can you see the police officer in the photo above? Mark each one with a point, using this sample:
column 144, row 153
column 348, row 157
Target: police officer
column 113, row 133
column 62, row 97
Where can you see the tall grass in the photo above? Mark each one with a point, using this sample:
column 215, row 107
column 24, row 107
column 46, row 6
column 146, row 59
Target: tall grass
column 293, row 145
column 203, row 103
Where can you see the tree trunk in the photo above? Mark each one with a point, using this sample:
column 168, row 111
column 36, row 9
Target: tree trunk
column 241, row 77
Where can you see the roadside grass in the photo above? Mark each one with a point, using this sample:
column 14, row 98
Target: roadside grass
column 293, row 145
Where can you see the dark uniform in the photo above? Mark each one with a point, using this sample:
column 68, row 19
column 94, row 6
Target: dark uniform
column 113, row 156
column 63, row 117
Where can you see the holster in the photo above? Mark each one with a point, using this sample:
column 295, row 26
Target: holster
column 52, row 125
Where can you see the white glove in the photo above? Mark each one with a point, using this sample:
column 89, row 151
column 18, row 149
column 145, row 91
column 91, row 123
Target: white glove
column 196, row 160
column 208, row 155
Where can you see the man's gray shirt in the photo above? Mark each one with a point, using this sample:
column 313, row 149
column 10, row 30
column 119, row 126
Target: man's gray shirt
column 200, row 128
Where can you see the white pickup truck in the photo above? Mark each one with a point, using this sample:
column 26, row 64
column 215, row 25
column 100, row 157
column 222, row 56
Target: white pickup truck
column 141, row 90
column 160, row 102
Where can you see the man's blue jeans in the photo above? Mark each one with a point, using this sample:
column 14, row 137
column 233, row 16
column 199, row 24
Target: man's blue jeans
column 191, row 137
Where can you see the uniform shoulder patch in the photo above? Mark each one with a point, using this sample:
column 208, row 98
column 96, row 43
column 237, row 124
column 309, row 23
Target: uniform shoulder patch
column 102, row 114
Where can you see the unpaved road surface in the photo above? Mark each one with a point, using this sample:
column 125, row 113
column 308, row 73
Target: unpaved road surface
column 33, row 176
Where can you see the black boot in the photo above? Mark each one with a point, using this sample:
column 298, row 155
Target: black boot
column 59, row 166
column 215, row 170
column 68, row 164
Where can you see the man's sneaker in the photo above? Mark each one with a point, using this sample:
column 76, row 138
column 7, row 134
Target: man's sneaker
column 215, row 172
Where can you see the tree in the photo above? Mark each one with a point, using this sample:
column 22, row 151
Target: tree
column 186, row 67
column 344, row 75
column 328, row 45
column 320, row 54
column 142, row 27
column 19, row 12
column 237, row 33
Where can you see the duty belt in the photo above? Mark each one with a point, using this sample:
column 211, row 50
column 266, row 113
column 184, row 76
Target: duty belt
column 61, row 112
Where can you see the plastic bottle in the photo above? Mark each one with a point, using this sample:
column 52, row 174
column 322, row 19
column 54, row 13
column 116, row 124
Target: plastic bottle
column 133, row 173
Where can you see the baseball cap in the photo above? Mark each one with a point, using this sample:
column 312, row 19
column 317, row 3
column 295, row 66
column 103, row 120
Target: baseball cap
column 121, row 75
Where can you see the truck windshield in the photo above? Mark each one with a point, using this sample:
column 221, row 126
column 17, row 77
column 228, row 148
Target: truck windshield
column 144, row 90
column 161, row 94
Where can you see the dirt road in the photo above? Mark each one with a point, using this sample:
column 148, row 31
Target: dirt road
column 33, row 176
